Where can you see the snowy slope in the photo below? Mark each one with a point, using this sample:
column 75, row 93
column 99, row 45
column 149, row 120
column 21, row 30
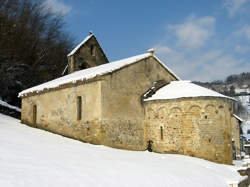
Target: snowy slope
column 3, row 103
column 33, row 157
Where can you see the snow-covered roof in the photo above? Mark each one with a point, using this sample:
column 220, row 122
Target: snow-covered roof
column 238, row 118
column 183, row 89
column 80, row 44
column 90, row 73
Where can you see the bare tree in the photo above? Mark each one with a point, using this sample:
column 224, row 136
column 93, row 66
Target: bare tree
column 33, row 45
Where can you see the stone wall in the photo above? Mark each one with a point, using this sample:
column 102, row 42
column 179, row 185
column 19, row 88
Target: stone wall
column 113, row 113
column 122, row 109
column 57, row 111
column 199, row 127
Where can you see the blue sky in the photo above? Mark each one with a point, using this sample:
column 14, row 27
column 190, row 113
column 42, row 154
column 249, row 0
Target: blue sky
column 198, row 40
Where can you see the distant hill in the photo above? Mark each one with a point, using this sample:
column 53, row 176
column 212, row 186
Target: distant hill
column 233, row 85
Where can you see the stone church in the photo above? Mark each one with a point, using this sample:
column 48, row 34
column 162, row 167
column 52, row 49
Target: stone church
column 136, row 103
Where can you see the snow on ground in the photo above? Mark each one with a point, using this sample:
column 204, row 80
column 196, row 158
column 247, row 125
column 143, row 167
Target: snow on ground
column 9, row 106
column 33, row 157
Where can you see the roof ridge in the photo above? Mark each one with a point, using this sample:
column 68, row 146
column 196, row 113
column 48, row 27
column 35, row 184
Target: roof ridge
column 80, row 44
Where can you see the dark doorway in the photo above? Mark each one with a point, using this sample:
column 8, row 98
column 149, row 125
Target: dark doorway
column 149, row 148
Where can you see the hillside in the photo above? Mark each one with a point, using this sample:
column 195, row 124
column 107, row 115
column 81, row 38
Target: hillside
column 232, row 85
column 33, row 157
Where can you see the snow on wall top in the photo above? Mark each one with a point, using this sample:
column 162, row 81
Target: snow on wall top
column 80, row 44
column 89, row 73
column 238, row 118
column 3, row 103
column 182, row 89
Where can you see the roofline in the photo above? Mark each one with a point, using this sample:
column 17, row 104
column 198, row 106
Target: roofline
column 238, row 118
column 60, row 87
column 80, row 45
column 229, row 98
column 22, row 94
column 169, row 70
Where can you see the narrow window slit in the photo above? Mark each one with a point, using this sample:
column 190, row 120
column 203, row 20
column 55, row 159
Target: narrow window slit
column 79, row 108
column 34, row 115
column 161, row 133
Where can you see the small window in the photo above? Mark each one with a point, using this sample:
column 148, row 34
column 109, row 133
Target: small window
column 92, row 50
column 79, row 108
column 161, row 133
column 34, row 115
column 248, row 131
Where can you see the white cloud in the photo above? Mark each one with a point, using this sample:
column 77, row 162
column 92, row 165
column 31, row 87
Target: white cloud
column 242, row 49
column 194, row 32
column 57, row 7
column 210, row 65
column 244, row 31
column 208, row 57
column 233, row 6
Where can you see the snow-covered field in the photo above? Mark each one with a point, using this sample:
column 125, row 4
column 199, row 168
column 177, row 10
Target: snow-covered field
column 33, row 157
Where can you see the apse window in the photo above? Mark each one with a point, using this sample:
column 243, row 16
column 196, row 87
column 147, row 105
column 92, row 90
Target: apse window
column 79, row 108
column 161, row 133
column 34, row 114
